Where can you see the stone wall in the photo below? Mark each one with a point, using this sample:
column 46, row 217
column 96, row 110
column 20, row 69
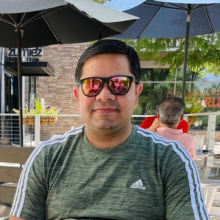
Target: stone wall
column 58, row 90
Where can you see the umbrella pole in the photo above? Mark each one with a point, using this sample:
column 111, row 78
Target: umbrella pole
column 20, row 87
column 186, row 54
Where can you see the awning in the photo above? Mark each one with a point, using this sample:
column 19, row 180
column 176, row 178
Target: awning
column 31, row 68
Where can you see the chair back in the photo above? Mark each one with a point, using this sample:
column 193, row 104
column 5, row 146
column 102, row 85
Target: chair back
column 12, row 160
column 209, row 191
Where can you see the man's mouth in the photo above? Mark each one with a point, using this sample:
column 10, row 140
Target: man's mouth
column 105, row 110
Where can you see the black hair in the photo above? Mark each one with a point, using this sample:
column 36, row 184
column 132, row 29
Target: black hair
column 110, row 46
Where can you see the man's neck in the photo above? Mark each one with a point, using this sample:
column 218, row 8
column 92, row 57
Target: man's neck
column 168, row 126
column 107, row 138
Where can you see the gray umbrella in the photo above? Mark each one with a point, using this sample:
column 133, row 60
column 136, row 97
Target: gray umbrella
column 30, row 23
column 170, row 19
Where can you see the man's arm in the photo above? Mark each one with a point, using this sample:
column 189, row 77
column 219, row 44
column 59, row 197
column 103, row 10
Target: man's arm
column 155, row 125
column 31, row 191
column 182, row 190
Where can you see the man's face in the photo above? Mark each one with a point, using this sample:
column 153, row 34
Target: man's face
column 106, row 110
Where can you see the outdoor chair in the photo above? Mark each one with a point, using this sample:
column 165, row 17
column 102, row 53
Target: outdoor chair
column 215, row 208
column 217, row 198
column 211, row 196
column 11, row 164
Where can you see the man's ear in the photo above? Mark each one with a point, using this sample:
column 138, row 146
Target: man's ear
column 138, row 91
column 76, row 92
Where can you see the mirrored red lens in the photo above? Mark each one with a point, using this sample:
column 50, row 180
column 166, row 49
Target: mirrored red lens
column 91, row 86
column 119, row 85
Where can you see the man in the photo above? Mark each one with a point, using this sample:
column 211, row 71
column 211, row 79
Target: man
column 151, row 123
column 170, row 115
column 109, row 168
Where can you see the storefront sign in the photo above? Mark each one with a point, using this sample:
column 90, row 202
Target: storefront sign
column 211, row 97
column 26, row 52
column 212, row 102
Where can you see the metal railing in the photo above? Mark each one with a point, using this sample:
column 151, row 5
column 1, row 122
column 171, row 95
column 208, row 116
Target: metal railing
column 36, row 132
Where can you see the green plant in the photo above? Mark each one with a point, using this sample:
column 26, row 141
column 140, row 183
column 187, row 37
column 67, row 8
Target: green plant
column 48, row 110
column 38, row 106
column 39, row 109
column 193, row 106
column 25, row 110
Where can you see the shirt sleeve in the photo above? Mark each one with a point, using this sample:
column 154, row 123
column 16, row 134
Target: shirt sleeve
column 183, row 199
column 31, row 193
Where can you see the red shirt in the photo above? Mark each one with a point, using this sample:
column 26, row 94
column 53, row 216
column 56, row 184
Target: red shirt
column 149, row 120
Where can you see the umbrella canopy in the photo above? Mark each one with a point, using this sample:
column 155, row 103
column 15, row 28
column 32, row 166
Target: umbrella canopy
column 57, row 22
column 35, row 23
column 170, row 19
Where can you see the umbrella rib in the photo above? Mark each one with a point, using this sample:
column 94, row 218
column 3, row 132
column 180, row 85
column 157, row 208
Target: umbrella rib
column 139, row 36
column 195, row 7
column 50, row 28
column 198, row 6
column 22, row 18
column 13, row 23
column 176, row 7
column 34, row 18
column 190, row 8
column 12, row 18
column 6, row 21
column 162, row 6
column 208, row 18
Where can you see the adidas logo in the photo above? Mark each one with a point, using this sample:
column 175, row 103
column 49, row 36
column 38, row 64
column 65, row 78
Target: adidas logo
column 138, row 185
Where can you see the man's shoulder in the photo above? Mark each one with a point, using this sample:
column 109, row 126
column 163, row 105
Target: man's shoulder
column 58, row 141
column 188, row 136
column 151, row 138
column 162, row 148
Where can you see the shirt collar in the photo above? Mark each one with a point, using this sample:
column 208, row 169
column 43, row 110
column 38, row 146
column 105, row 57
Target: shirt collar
column 170, row 130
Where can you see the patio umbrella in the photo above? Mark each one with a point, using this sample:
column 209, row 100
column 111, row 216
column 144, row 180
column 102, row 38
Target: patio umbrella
column 35, row 23
column 170, row 19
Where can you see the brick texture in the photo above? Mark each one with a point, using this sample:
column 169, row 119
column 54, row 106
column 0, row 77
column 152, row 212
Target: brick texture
column 58, row 90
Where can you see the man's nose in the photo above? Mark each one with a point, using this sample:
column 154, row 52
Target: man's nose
column 105, row 94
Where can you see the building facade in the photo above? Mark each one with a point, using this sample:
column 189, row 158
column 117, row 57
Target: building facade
column 57, row 89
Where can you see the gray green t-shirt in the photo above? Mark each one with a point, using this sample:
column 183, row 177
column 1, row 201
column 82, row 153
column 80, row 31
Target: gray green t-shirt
column 146, row 177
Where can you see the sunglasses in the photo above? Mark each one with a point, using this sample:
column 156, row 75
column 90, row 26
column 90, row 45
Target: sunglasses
column 118, row 85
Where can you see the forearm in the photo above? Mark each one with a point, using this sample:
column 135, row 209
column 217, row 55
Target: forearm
column 154, row 126
column 16, row 218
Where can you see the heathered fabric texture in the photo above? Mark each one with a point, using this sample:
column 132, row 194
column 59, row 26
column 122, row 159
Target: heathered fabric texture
column 146, row 177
